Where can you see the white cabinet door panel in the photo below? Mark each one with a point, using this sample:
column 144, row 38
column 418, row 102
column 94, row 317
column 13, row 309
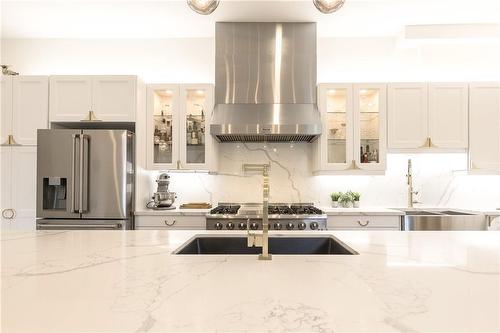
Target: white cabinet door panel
column 70, row 98
column 484, row 133
column 448, row 115
column 6, row 116
column 24, row 181
column 5, row 185
column 114, row 97
column 407, row 109
column 364, row 222
column 30, row 107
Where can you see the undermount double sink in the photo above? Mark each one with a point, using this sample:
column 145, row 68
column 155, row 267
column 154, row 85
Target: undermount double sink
column 278, row 245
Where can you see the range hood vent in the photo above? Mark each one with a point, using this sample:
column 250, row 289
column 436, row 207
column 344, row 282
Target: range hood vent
column 265, row 82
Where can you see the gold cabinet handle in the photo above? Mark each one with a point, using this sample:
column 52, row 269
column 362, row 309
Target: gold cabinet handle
column 10, row 141
column 178, row 164
column 431, row 144
column 426, row 143
column 353, row 166
column 91, row 117
column 8, row 213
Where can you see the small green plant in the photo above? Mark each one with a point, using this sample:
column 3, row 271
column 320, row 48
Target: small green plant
column 355, row 196
column 335, row 196
column 345, row 200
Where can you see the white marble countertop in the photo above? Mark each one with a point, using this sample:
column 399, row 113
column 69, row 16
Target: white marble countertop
column 362, row 211
column 169, row 212
column 104, row 281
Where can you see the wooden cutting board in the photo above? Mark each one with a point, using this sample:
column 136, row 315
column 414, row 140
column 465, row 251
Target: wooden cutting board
column 196, row 205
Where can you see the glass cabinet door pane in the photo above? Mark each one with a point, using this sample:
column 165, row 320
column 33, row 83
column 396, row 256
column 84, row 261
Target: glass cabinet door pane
column 369, row 118
column 336, row 118
column 195, row 126
column 162, row 122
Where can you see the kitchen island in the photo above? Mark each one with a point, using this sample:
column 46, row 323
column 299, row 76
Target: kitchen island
column 106, row 281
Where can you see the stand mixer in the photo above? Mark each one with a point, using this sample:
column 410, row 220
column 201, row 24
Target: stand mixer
column 162, row 198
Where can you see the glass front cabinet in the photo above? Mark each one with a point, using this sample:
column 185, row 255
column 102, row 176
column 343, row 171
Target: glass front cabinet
column 353, row 139
column 178, row 127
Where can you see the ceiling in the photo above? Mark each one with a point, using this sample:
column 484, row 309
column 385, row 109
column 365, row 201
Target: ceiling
column 173, row 19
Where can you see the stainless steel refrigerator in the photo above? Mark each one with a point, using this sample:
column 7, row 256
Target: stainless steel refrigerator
column 85, row 179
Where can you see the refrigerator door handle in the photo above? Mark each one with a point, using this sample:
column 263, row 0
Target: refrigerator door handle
column 84, row 173
column 73, row 173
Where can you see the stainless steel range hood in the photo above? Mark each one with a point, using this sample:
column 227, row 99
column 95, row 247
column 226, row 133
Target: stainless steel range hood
column 265, row 82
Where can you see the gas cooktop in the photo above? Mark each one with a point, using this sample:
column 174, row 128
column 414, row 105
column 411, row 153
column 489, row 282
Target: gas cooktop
column 296, row 216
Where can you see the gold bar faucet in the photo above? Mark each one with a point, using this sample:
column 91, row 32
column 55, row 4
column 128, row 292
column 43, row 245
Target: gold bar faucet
column 411, row 192
column 255, row 239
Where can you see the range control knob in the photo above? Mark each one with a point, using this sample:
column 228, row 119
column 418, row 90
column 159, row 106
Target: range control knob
column 290, row 226
column 254, row 226
column 242, row 226
column 302, row 225
column 218, row 226
column 314, row 226
column 230, row 226
column 278, row 226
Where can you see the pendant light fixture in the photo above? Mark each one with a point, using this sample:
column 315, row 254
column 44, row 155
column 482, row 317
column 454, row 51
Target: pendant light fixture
column 203, row 7
column 328, row 6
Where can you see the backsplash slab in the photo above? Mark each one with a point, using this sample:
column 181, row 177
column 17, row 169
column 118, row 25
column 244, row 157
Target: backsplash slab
column 441, row 180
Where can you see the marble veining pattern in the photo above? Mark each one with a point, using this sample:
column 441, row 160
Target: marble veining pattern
column 98, row 281
column 441, row 180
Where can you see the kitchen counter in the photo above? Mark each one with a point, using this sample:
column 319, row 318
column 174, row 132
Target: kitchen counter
column 105, row 281
column 172, row 212
column 369, row 211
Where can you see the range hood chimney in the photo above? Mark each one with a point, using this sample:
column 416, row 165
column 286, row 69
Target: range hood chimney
column 265, row 82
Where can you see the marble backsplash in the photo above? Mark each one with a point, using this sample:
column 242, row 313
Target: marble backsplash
column 441, row 180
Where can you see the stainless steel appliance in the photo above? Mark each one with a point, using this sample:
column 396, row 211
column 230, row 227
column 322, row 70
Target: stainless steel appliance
column 265, row 82
column 442, row 219
column 162, row 198
column 85, row 179
column 233, row 216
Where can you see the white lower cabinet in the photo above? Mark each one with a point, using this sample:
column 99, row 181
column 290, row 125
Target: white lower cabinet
column 18, row 188
column 359, row 222
column 171, row 222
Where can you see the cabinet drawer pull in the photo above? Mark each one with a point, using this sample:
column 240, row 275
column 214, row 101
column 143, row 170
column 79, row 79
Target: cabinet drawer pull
column 363, row 224
column 8, row 213
column 10, row 141
column 170, row 223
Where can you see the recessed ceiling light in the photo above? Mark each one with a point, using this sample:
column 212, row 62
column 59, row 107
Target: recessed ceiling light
column 203, row 7
column 328, row 6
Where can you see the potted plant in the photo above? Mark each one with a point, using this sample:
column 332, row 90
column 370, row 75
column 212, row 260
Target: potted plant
column 335, row 199
column 345, row 200
column 355, row 199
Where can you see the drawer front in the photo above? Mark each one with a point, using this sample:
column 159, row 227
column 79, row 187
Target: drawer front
column 170, row 222
column 364, row 222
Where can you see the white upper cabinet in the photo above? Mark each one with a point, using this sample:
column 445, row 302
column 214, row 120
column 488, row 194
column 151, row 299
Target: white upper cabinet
column 25, row 107
column 93, row 98
column 114, row 97
column 428, row 116
column 484, row 133
column 178, row 123
column 408, row 116
column 70, row 97
column 448, row 115
column 370, row 126
column 353, row 137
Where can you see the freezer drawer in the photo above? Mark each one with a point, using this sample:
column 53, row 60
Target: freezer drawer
column 79, row 224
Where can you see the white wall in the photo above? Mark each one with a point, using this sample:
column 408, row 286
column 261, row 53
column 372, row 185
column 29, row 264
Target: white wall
column 191, row 59
column 439, row 177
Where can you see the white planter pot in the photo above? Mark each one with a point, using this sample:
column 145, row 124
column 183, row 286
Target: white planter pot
column 335, row 204
column 356, row 204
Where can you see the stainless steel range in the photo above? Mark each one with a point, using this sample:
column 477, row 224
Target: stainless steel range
column 233, row 216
